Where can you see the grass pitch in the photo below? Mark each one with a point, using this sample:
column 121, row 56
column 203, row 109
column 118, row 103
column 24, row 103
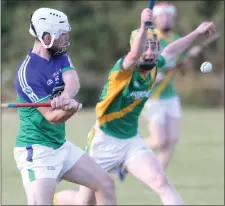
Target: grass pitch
column 197, row 169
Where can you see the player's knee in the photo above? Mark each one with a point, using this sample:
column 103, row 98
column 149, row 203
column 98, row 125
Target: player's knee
column 173, row 141
column 85, row 201
column 158, row 182
column 108, row 185
column 159, row 143
column 65, row 197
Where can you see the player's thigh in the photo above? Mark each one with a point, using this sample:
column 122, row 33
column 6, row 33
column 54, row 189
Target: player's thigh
column 137, row 147
column 158, row 137
column 174, row 108
column 88, row 173
column 91, row 177
column 38, row 162
column 156, row 112
column 174, row 119
column 146, row 168
column 173, row 129
column 74, row 154
column 40, row 191
column 85, row 196
column 158, row 131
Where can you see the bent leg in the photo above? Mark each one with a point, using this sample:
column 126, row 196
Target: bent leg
column 147, row 168
column 40, row 192
column 159, row 141
column 95, row 178
column 173, row 127
column 173, row 137
column 65, row 197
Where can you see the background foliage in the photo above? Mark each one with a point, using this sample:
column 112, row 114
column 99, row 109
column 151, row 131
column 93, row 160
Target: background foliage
column 100, row 34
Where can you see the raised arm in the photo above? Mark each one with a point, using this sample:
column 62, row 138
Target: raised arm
column 139, row 42
column 177, row 47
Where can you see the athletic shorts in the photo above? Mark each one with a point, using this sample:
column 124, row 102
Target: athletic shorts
column 157, row 110
column 112, row 153
column 38, row 161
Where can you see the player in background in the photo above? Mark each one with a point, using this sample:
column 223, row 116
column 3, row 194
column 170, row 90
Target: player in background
column 114, row 142
column 41, row 152
column 163, row 109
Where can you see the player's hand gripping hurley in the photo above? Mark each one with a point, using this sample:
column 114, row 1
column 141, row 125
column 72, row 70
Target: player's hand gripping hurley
column 149, row 24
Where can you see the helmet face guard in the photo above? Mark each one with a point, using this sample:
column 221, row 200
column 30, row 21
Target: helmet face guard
column 148, row 62
column 54, row 23
column 146, row 66
column 152, row 48
column 60, row 45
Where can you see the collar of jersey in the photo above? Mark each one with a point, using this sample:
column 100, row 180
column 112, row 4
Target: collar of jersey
column 39, row 57
column 141, row 78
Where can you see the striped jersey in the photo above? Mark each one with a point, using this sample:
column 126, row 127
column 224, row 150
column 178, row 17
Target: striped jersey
column 123, row 98
column 37, row 80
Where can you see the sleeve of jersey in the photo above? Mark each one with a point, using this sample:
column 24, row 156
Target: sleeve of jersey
column 67, row 63
column 31, row 89
column 118, row 72
column 161, row 61
column 117, row 80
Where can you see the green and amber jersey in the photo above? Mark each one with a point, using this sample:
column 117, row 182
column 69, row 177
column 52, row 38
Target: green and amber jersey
column 166, row 88
column 123, row 98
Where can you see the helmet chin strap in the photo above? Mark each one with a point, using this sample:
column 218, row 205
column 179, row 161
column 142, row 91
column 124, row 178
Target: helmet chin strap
column 166, row 29
column 54, row 52
column 146, row 66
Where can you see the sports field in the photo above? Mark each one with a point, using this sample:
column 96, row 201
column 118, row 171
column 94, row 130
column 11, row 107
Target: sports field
column 197, row 169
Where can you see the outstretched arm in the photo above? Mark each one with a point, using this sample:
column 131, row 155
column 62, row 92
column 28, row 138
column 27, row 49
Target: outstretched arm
column 177, row 47
column 139, row 42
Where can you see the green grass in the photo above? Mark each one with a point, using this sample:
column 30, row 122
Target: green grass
column 197, row 169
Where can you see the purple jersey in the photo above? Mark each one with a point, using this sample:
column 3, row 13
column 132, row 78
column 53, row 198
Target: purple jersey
column 37, row 79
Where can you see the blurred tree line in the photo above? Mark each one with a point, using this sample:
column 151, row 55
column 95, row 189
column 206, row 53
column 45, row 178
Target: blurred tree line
column 100, row 35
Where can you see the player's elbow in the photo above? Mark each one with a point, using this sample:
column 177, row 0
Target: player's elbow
column 168, row 54
column 55, row 122
column 50, row 115
column 130, row 60
column 134, row 56
column 60, row 117
column 53, row 118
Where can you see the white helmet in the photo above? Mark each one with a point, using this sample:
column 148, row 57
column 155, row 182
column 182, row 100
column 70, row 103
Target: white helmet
column 51, row 21
column 164, row 7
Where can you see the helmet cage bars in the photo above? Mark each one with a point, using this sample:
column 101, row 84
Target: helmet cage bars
column 52, row 22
